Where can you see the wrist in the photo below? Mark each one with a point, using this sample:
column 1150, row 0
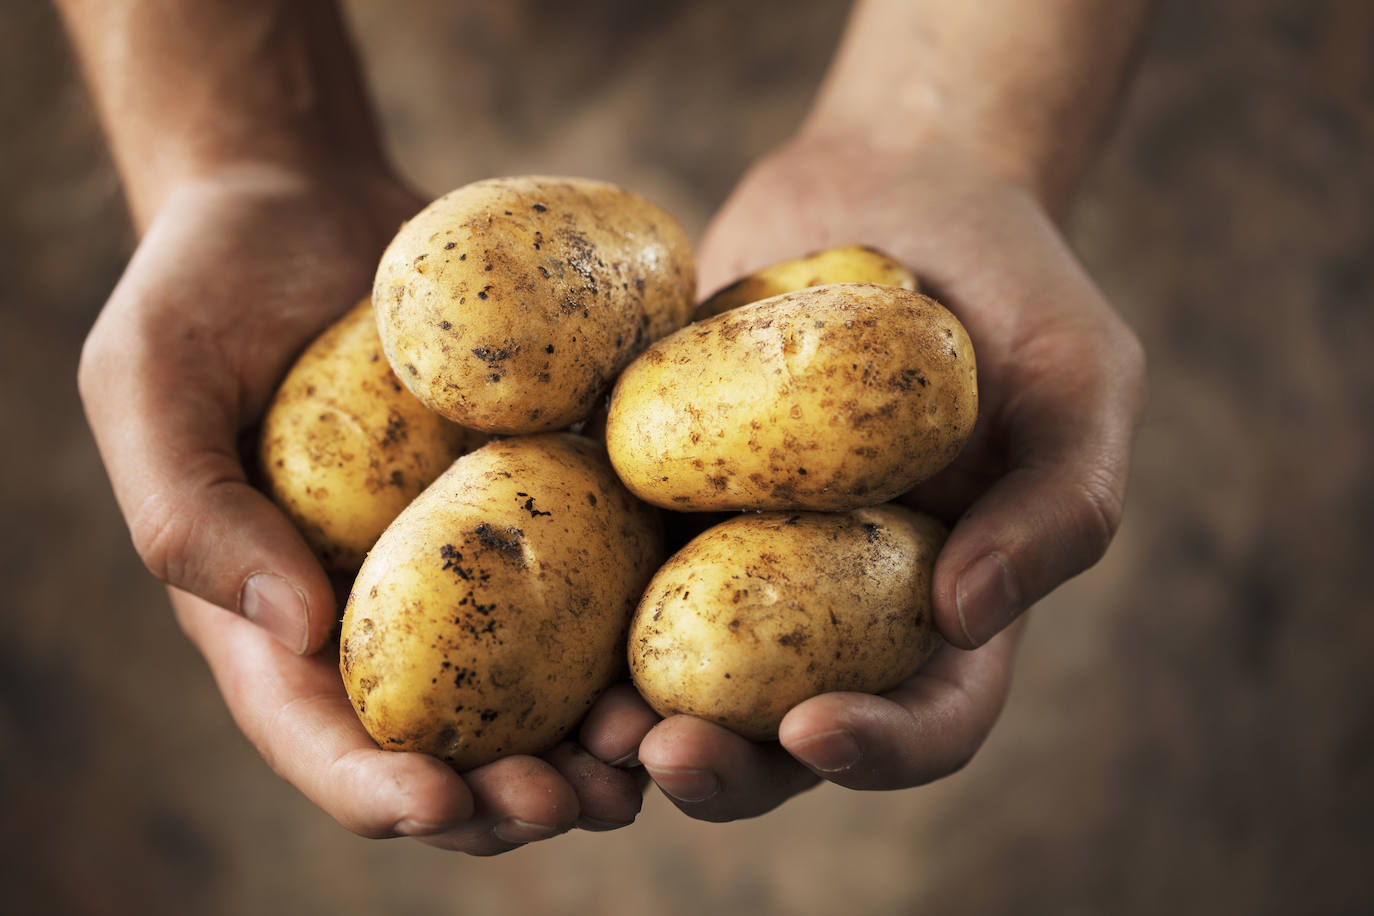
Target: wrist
column 934, row 157
column 1021, row 90
column 284, row 167
column 185, row 91
column 368, row 194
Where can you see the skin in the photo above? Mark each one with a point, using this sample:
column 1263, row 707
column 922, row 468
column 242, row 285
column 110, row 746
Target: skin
column 247, row 252
column 234, row 121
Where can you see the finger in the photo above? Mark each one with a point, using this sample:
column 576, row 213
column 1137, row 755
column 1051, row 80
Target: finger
column 615, row 725
column 749, row 232
column 295, row 712
column 1051, row 516
column 713, row 774
column 608, row 797
column 518, row 800
column 167, row 433
column 926, row 729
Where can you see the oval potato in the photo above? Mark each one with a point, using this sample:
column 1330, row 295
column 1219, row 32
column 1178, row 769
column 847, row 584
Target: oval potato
column 828, row 398
column 766, row 610
column 344, row 447
column 510, row 305
column 842, row 264
column 493, row 611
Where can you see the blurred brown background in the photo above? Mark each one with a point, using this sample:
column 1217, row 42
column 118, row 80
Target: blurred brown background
column 1192, row 726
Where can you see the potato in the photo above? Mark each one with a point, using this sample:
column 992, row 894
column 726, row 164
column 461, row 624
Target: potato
column 344, row 448
column 766, row 610
column 510, row 305
column 829, row 398
column 493, row 611
column 844, row 264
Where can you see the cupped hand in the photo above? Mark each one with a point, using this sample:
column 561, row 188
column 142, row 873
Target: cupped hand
column 1034, row 498
column 294, row 710
column 234, row 276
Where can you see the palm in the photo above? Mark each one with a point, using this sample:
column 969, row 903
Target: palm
column 1046, row 341
column 236, row 281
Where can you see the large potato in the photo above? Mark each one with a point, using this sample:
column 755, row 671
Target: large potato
column 493, row 611
column 828, row 398
column 766, row 610
column 510, row 305
column 345, row 447
column 842, row 264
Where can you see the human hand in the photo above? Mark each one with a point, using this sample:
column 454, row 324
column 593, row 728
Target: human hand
column 236, row 273
column 1037, row 492
column 294, row 710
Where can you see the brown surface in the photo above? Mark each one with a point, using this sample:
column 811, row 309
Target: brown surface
column 1192, row 727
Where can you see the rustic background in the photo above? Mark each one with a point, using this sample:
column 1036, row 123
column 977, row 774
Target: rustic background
column 1192, row 725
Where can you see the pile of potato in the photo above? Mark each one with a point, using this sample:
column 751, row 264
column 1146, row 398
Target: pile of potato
column 498, row 585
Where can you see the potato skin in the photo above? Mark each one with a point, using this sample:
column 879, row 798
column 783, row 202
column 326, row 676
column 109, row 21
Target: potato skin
column 493, row 611
column 510, row 305
column 842, row 264
column 832, row 397
column 344, row 447
column 766, row 610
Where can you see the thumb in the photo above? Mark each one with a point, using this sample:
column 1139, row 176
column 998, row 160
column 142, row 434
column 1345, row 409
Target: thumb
column 1036, row 528
column 750, row 231
column 1051, row 517
column 167, row 432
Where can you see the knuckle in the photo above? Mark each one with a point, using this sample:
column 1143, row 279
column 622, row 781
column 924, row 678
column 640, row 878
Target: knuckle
column 1133, row 361
column 1134, row 355
column 1095, row 510
column 344, row 775
column 90, row 368
column 164, row 536
column 958, row 763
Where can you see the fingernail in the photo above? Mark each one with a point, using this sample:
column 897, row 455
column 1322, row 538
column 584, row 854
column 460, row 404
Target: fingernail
column 629, row 760
column 828, row 752
column 514, row 830
column 985, row 598
column 690, row 786
column 409, row 827
column 597, row 825
column 273, row 604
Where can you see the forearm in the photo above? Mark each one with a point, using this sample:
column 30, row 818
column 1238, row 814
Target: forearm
column 186, row 88
column 1026, row 88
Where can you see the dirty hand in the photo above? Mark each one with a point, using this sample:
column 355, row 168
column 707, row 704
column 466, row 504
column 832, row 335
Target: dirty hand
column 1034, row 498
column 239, row 270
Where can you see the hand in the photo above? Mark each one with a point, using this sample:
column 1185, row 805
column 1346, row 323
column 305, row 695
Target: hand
column 1037, row 492
column 295, row 712
column 236, row 274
